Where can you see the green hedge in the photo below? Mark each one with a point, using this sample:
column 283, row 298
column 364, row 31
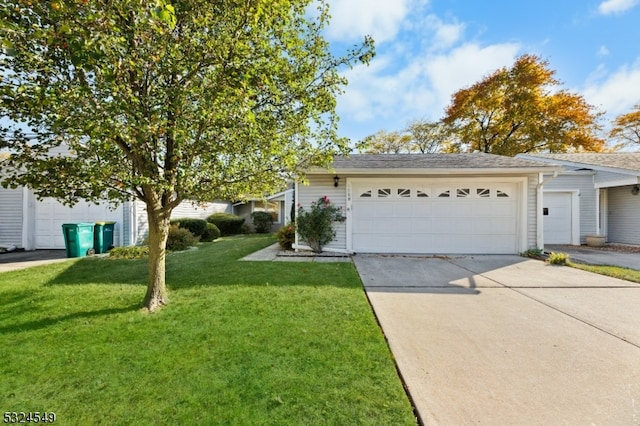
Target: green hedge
column 211, row 233
column 180, row 239
column 227, row 223
column 196, row 226
column 262, row 222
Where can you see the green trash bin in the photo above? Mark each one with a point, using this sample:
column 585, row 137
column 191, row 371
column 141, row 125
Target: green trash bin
column 78, row 239
column 103, row 236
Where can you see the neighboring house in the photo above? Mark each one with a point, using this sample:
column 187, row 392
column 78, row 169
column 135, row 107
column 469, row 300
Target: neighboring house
column 278, row 205
column 597, row 194
column 31, row 224
column 431, row 203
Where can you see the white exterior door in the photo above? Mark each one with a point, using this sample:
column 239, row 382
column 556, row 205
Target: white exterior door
column 50, row 215
column 557, row 217
column 435, row 216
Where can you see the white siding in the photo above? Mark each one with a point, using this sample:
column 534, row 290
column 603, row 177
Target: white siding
column 200, row 210
column 623, row 216
column 606, row 179
column 532, row 213
column 582, row 182
column 11, row 216
column 319, row 186
column 137, row 231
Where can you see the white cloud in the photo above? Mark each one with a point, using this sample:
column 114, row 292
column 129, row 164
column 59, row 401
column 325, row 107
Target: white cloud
column 445, row 35
column 381, row 19
column 466, row 65
column 615, row 93
column 603, row 51
column 615, row 6
column 395, row 90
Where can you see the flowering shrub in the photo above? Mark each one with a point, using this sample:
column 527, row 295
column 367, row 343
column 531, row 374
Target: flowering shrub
column 286, row 236
column 316, row 226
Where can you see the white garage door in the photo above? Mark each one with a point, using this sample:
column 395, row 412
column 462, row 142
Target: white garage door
column 51, row 214
column 556, row 217
column 431, row 217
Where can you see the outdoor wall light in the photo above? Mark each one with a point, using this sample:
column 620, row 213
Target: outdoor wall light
column 635, row 190
column 336, row 180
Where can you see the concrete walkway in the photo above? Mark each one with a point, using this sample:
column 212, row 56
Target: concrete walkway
column 274, row 253
column 504, row 340
column 592, row 256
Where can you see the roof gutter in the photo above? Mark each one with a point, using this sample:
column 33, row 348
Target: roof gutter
column 434, row 171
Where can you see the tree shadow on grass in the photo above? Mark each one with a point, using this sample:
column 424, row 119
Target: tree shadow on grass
column 103, row 271
column 47, row 322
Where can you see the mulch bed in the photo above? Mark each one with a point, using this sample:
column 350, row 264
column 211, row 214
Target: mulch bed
column 288, row 253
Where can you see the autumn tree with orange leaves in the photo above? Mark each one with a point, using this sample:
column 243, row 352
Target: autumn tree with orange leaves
column 521, row 110
column 626, row 128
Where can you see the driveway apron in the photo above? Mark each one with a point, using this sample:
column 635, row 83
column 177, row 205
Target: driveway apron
column 509, row 340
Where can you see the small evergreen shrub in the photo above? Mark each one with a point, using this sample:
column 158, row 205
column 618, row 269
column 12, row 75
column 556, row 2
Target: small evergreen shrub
column 316, row 226
column 286, row 236
column 558, row 258
column 262, row 222
column 211, row 233
column 196, row 226
column 227, row 223
column 180, row 239
column 129, row 252
column 533, row 253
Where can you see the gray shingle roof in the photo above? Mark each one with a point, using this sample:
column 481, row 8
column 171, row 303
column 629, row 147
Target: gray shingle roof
column 434, row 161
column 619, row 160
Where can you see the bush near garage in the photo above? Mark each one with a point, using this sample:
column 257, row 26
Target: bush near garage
column 180, row 239
column 196, row 226
column 286, row 236
column 227, row 223
column 262, row 222
column 211, row 233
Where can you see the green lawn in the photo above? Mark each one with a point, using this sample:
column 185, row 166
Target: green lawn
column 611, row 271
column 240, row 343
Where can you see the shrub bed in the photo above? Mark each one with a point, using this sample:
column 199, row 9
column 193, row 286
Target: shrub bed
column 262, row 222
column 227, row 223
column 196, row 226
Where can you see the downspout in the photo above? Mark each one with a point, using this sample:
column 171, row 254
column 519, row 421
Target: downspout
column 539, row 200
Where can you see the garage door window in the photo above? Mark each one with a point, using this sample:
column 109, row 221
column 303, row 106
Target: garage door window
column 483, row 192
column 462, row 192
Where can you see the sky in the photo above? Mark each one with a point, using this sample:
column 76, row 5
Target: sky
column 426, row 50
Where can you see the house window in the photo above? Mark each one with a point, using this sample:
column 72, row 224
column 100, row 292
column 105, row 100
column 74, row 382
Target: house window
column 384, row 192
column 273, row 208
column 366, row 194
column 483, row 192
column 422, row 194
column 462, row 192
column 445, row 194
column 404, row 193
column 502, row 194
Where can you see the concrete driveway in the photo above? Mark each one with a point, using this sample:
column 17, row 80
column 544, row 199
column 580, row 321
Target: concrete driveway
column 505, row 340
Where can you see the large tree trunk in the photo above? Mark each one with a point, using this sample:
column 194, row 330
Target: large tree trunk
column 156, row 288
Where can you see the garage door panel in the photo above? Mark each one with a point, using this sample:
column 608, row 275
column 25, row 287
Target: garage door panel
column 475, row 217
column 421, row 210
column 50, row 215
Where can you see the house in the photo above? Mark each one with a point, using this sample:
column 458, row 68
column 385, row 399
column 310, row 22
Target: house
column 597, row 194
column 31, row 224
column 431, row 203
column 278, row 205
